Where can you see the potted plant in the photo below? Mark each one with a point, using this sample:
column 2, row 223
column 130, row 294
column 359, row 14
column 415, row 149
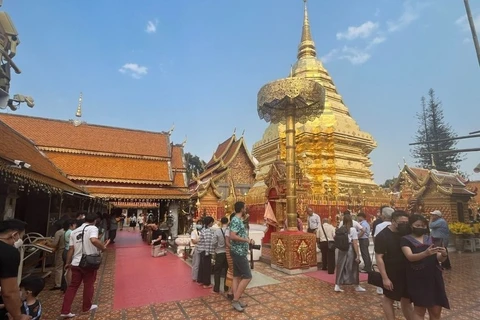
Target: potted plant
column 460, row 232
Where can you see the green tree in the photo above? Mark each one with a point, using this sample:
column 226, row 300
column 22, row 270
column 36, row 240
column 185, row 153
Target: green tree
column 431, row 127
column 389, row 183
column 195, row 165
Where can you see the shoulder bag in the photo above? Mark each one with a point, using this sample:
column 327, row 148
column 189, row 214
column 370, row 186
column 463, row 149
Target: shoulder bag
column 89, row 261
column 331, row 244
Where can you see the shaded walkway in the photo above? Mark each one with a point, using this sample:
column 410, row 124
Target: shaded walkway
column 142, row 280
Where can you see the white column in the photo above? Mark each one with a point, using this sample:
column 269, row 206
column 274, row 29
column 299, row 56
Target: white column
column 173, row 210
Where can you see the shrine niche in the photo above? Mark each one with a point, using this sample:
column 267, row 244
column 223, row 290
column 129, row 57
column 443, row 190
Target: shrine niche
column 427, row 190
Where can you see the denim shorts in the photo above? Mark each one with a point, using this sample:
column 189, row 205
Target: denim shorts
column 241, row 267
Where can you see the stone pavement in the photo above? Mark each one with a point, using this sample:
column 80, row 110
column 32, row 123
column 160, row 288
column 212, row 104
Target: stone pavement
column 293, row 297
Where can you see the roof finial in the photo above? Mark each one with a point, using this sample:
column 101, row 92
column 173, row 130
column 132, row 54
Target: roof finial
column 184, row 142
column 433, row 162
column 79, row 107
column 243, row 132
column 307, row 46
column 171, row 130
column 234, row 130
column 291, row 71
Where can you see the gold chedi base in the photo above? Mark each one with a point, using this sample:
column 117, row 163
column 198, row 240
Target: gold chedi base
column 293, row 252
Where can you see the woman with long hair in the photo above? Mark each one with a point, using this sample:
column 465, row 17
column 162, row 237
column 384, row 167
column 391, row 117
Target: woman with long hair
column 425, row 284
column 348, row 261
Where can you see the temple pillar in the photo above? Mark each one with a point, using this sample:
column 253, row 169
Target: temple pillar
column 173, row 210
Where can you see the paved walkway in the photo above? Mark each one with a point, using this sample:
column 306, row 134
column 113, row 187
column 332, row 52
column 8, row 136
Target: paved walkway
column 133, row 285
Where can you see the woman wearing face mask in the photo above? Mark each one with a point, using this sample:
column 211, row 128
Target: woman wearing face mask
column 424, row 274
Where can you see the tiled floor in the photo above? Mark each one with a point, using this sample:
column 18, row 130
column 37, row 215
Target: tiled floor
column 294, row 297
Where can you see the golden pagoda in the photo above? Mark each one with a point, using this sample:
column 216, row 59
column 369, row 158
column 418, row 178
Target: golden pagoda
column 332, row 151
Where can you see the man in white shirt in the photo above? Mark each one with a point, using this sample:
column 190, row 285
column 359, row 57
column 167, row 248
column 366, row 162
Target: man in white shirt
column 83, row 240
column 326, row 233
column 194, row 239
column 313, row 221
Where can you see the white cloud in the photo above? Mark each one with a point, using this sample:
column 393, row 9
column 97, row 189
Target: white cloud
column 462, row 22
column 354, row 55
column 410, row 14
column 363, row 31
column 151, row 26
column 134, row 70
column 332, row 55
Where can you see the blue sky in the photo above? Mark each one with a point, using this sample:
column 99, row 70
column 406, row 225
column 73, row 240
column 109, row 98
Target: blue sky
column 200, row 63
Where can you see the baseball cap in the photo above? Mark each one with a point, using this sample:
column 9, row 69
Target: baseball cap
column 437, row 213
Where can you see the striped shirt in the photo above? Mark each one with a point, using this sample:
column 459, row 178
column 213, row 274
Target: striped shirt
column 205, row 243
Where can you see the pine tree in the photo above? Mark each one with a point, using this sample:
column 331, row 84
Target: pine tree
column 432, row 127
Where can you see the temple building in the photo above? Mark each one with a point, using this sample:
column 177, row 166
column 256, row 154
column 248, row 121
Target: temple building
column 131, row 169
column 227, row 178
column 31, row 187
column 426, row 190
column 332, row 151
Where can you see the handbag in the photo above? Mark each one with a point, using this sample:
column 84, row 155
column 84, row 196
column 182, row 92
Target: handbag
column 89, row 261
column 331, row 244
column 375, row 279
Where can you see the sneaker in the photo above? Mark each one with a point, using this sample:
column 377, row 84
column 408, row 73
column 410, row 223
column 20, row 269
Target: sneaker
column 363, row 271
column 379, row 290
column 236, row 305
column 360, row 289
column 243, row 304
column 337, row 289
column 67, row 315
column 93, row 307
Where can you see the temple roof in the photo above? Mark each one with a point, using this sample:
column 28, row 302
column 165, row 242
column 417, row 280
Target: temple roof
column 447, row 183
column 110, row 157
column 61, row 134
column 223, row 156
column 14, row 146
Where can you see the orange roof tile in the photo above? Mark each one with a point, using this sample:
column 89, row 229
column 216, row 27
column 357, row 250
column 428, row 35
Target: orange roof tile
column 14, row 146
column 63, row 134
column 177, row 157
column 104, row 168
column 179, row 180
column 221, row 150
column 138, row 193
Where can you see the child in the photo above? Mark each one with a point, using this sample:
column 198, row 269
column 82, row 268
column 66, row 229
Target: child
column 30, row 288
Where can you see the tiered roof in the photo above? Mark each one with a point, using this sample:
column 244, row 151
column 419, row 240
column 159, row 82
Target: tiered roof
column 219, row 164
column 41, row 174
column 109, row 162
column 446, row 182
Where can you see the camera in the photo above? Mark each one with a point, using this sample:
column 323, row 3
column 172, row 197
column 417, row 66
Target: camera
column 255, row 246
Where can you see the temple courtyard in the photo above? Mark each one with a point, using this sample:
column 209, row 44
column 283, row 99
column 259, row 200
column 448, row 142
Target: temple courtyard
column 133, row 285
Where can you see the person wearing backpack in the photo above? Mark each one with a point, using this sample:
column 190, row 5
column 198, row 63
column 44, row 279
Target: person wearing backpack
column 346, row 241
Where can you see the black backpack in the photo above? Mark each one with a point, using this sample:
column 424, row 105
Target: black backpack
column 341, row 239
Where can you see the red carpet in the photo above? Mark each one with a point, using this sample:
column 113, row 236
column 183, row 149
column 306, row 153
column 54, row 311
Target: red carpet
column 142, row 280
column 330, row 278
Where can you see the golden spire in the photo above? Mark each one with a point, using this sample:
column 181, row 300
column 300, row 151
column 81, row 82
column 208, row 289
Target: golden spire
column 307, row 46
column 79, row 107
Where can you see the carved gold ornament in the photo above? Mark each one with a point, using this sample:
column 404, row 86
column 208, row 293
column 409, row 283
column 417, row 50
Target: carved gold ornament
column 280, row 251
column 303, row 252
column 304, row 97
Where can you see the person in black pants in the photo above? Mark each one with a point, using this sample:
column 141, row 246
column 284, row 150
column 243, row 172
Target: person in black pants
column 205, row 247
column 220, row 255
column 326, row 233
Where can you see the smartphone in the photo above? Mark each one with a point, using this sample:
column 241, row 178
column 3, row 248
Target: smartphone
column 438, row 242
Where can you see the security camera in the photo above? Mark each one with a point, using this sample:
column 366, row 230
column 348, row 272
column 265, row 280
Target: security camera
column 21, row 98
column 21, row 164
column 477, row 168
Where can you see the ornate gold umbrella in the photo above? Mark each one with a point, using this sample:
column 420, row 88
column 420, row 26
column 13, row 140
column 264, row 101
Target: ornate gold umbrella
column 288, row 101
